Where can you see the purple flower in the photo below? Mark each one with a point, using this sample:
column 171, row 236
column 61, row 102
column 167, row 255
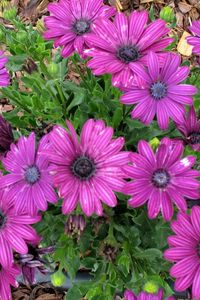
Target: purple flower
column 195, row 41
column 6, row 137
column 185, row 252
column 88, row 171
column 8, row 277
column 114, row 46
column 190, row 128
column 158, row 91
column 15, row 230
column 129, row 295
column 4, row 75
column 29, row 181
column 162, row 178
column 71, row 20
column 33, row 261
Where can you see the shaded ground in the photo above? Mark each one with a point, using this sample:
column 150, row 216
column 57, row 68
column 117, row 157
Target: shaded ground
column 39, row 292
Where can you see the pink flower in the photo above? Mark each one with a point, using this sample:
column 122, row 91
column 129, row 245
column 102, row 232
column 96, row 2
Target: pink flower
column 129, row 295
column 162, row 178
column 4, row 75
column 8, row 277
column 29, row 182
column 115, row 45
column 15, row 230
column 195, row 40
column 71, row 20
column 88, row 171
column 184, row 251
column 158, row 91
column 190, row 128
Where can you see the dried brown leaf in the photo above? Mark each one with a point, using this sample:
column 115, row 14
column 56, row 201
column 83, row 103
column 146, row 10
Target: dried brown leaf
column 183, row 47
column 184, row 7
column 179, row 19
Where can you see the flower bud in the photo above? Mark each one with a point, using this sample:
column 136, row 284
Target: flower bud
column 151, row 287
column 52, row 69
column 167, row 14
column 21, row 36
column 10, row 13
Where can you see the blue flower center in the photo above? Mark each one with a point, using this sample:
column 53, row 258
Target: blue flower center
column 158, row 90
column 198, row 249
column 83, row 168
column 2, row 219
column 194, row 138
column 160, row 178
column 128, row 53
column 32, row 174
column 81, row 26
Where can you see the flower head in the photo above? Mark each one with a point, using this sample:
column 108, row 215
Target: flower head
column 129, row 295
column 15, row 230
column 6, row 137
column 158, row 90
column 33, row 261
column 184, row 251
column 114, row 46
column 29, row 182
column 71, row 20
column 190, row 128
column 75, row 225
column 162, row 178
column 88, row 171
column 195, row 40
column 7, row 278
column 4, row 75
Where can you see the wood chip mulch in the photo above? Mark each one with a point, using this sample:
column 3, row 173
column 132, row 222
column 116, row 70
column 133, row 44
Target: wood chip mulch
column 40, row 292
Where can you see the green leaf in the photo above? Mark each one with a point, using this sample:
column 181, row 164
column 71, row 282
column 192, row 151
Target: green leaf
column 73, row 294
column 123, row 263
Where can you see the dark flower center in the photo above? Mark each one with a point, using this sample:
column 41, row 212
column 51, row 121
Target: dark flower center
column 81, row 26
column 2, row 219
column 158, row 90
column 32, row 174
column 83, row 168
column 198, row 249
column 128, row 53
column 194, row 138
column 160, row 178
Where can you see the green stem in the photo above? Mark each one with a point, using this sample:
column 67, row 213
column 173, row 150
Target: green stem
column 61, row 96
column 78, row 70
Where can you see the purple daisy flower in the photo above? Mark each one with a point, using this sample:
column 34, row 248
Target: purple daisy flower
column 71, row 20
column 158, row 91
column 6, row 137
column 4, row 75
column 29, row 182
column 129, row 295
column 33, row 261
column 195, row 40
column 162, row 178
column 88, row 171
column 190, row 128
column 15, row 230
column 115, row 45
column 7, row 278
column 184, row 251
